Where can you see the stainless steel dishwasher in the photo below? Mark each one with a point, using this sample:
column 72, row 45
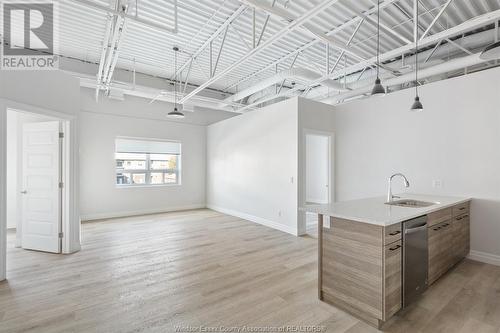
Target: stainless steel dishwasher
column 415, row 259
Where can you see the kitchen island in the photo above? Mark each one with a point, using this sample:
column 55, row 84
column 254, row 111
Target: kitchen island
column 361, row 250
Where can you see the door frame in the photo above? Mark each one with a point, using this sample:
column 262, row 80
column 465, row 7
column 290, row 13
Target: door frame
column 301, row 227
column 70, row 211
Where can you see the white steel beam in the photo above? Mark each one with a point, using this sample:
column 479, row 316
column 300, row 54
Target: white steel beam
column 221, row 28
column 240, row 36
column 187, row 76
column 257, row 50
column 291, row 66
column 458, row 46
column 354, row 20
column 265, row 25
column 285, row 15
column 388, row 29
column 471, row 24
column 220, row 51
column 348, row 43
column 436, row 19
column 135, row 17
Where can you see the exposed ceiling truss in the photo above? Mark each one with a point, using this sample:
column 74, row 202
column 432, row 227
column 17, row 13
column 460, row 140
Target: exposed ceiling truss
column 321, row 49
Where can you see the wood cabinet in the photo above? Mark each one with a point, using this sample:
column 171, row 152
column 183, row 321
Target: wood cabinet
column 360, row 264
column 361, row 269
column 440, row 238
column 393, row 292
column 449, row 240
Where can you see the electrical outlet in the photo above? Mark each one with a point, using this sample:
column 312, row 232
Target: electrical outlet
column 438, row 183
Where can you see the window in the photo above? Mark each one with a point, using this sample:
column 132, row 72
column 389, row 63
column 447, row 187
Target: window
column 147, row 162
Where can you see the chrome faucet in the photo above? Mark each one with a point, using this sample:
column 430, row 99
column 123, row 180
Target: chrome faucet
column 390, row 197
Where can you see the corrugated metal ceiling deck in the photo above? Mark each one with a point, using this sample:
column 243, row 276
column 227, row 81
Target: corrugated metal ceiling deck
column 82, row 31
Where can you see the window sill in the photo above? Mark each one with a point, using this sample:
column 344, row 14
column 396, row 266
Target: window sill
column 147, row 186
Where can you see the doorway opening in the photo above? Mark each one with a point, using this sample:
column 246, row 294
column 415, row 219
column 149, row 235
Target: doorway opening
column 36, row 171
column 318, row 188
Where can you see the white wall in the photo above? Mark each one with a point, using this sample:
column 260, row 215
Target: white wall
column 252, row 166
column 99, row 196
column 455, row 140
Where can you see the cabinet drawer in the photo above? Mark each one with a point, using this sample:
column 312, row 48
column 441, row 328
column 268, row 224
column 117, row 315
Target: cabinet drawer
column 439, row 217
column 392, row 279
column 461, row 209
column 392, row 233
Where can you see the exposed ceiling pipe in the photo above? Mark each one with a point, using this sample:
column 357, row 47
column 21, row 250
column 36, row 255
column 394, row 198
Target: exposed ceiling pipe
column 471, row 42
column 263, row 94
column 445, row 67
column 124, row 88
column 296, row 74
column 111, row 49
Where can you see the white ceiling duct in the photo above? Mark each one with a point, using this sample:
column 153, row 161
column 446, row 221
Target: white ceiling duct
column 118, row 90
column 428, row 58
column 445, row 67
column 295, row 74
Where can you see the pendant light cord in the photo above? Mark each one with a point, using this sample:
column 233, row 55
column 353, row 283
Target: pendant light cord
column 416, row 49
column 175, row 78
column 378, row 38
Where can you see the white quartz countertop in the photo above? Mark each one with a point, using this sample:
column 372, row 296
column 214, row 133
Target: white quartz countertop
column 375, row 211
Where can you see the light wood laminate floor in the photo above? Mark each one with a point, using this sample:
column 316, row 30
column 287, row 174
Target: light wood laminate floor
column 151, row 273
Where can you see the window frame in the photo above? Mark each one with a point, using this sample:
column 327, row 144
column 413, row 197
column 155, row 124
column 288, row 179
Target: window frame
column 148, row 171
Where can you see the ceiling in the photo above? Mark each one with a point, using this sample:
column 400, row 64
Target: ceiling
column 296, row 35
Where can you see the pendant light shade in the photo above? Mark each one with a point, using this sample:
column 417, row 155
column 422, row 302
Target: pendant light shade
column 417, row 105
column 491, row 52
column 378, row 88
column 176, row 114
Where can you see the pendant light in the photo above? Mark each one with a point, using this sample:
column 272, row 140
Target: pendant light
column 378, row 88
column 176, row 114
column 417, row 105
column 491, row 52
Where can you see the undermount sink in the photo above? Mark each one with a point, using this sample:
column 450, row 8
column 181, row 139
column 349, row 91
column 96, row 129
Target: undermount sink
column 411, row 203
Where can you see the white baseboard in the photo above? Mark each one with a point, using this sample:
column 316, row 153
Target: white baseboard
column 256, row 219
column 111, row 215
column 487, row 258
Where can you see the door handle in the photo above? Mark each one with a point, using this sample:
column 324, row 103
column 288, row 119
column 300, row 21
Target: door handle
column 394, row 248
column 413, row 230
column 24, row 192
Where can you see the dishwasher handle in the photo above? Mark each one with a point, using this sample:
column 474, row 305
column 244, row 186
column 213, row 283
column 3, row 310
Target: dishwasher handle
column 416, row 229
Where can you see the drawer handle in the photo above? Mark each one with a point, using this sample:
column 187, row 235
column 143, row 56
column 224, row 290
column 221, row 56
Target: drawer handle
column 394, row 248
column 459, row 218
column 436, row 229
column 461, row 208
column 465, row 216
column 394, row 233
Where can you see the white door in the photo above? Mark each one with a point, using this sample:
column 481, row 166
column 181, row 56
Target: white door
column 317, row 169
column 41, row 200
